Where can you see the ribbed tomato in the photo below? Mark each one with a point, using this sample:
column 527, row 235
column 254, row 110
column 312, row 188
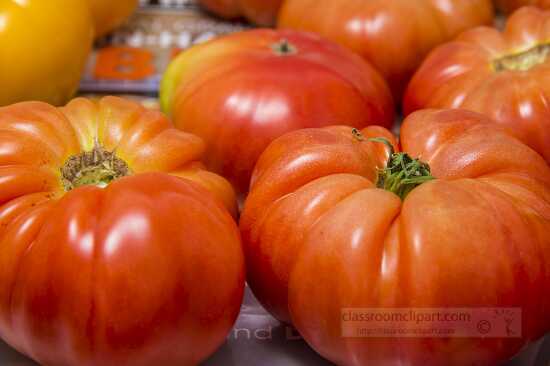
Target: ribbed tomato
column 503, row 75
column 331, row 224
column 260, row 12
column 105, row 260
column 242, row 91
column 509, row 6
column 395, row 35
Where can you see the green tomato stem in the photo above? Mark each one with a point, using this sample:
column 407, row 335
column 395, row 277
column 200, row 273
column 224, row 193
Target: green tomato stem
column 402, row 173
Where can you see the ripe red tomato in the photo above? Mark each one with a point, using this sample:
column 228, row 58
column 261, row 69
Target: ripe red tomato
column 395, row 35
column 260, row 12
column 509, row 6
column 503, row 75
column 148, row 270
column 329, row 225
column 242, row 91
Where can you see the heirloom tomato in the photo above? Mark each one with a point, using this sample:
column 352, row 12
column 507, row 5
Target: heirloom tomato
column 105, row 259
column 509, row 6
column 109, row 14
column 505, row 76
column 333, row 221
column 242, row 91
column 395, row 35
column 260, row 12
column 44, row 46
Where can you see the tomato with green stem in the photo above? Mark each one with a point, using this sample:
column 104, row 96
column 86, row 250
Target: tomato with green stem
column 460, row 218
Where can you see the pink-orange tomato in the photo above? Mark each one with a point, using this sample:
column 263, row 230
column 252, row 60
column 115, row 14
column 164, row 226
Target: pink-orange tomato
column 242, row 91
column 395, row 35
column 260, row 12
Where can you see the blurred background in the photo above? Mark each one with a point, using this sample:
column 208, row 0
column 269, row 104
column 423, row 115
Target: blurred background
column 131, row 60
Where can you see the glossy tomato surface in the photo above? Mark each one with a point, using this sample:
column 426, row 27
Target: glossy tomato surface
column 242, row 91
column 109, row 14
column 395, row 35
column 509, row 6
column 260, row 12
column 44, row 46
column 147, row 270
column 503, row 75
column 321, row 237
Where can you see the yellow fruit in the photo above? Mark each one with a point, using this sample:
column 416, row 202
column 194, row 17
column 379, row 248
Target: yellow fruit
column 44, row 46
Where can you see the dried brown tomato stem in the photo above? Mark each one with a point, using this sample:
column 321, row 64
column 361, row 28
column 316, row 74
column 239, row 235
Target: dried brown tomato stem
column 98, row 167
column 523, row 61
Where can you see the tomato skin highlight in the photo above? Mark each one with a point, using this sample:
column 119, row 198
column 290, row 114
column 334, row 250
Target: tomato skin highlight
column 259, row 12
column 394, row 36
column 320, row 236
column 148, row 270
column 463, row 74
column 242, row 91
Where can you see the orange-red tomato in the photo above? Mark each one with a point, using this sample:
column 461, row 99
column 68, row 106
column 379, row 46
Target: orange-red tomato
column 148, row 270
column 395, row 35
column 260, row 12
column 326, row 229
column 503, row 75
column 509, row 6
column 242, row 91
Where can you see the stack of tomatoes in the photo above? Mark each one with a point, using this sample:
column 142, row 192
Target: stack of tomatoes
column 121, row 238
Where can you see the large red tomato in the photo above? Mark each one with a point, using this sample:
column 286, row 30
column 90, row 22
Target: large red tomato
column 242, row 91
column 503, row 75
column 395, row 35
column 509, row 6
column 331, row 223
column 260, row 12
column 101, row 265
